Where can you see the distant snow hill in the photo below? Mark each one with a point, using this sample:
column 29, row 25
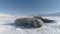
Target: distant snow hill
column 7, row 18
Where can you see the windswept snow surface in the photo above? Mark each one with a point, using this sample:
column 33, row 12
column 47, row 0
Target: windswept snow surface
column 7, row 26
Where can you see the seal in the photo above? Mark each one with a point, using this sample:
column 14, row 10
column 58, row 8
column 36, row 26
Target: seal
column 29, row 22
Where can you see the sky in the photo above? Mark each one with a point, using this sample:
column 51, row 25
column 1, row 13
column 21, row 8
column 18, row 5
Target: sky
column 30, row 7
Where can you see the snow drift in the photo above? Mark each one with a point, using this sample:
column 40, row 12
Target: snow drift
column 7, row 26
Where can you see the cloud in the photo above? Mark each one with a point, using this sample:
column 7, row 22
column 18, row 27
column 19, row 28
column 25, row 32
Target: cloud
column 4, row 15
column 49, row 12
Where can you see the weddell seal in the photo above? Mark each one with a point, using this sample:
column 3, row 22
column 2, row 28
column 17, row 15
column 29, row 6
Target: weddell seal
column 29, row 22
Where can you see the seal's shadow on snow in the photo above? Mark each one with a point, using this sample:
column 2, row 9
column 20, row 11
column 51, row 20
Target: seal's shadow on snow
column 16, row 26
column 13, row 24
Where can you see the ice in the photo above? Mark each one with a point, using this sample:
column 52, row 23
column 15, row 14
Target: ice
column 8, row 27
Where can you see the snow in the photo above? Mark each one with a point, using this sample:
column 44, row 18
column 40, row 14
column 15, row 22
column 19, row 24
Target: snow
column 7, row 26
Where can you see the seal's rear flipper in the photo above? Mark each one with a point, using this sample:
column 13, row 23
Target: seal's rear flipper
column 43, row 19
